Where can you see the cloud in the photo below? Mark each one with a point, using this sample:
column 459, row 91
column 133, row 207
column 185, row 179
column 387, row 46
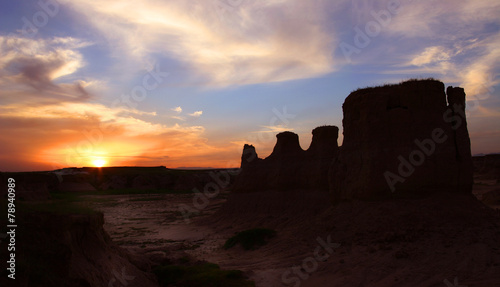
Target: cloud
column 178, row 118
column 113, row 118
column 177, row 110
column 274, row 129
column 423, row 19
column 431, row 55
column 31, row 67
column 457, row 43
column 49, row 122
column 253, row 42
column 73, row 134
column 196, row 114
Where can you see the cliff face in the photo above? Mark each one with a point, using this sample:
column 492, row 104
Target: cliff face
column 30, row 186
column 402, row 139
column 59, row 249
column 289, row 166
column 487, row 167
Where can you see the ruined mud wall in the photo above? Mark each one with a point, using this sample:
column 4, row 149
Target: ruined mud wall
column 289, row 166
column 409, row 138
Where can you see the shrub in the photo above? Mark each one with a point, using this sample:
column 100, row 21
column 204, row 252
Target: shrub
column 250, row 239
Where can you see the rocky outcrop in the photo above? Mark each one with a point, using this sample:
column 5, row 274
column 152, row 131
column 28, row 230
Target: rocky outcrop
column 487, row 167
column 321, row 153
column 289, row 166
column 114, row 182
column 405, row 139
column 60, row 249
column 30, row 186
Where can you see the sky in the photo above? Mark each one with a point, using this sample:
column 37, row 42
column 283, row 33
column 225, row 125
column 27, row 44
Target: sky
column 187, row 83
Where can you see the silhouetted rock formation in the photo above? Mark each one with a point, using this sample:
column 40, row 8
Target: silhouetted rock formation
column 403, row 139
column 30, row 186
column 65, row 249
column 321, row 153
column 289, row 166
column 487, row 167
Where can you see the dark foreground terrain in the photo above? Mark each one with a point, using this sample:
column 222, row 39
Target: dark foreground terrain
column 113, row 237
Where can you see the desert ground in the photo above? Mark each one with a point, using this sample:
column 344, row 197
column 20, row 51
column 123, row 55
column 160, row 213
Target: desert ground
column 152, row 228
column 428, row 241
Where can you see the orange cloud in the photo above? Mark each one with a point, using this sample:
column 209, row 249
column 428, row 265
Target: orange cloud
column 48, row 124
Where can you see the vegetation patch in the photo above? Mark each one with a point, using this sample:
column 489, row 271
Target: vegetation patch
column 201, row 274
column 250, row 239
column 409, row 81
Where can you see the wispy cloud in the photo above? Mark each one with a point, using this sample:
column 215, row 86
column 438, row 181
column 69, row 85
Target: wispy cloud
column 31, row 66
column 52, row 122
column 255, row 42
column 196, row 114
column 431, row 55
column 71, row 134
column 274, row 129
column 457, row 43
column 177, row 110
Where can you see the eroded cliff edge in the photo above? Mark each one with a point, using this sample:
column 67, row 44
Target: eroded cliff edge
column 404, row 139
column 289, row 166
column 407, row 139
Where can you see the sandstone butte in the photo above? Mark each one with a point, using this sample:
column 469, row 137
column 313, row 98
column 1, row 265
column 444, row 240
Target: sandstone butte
column 403, row 140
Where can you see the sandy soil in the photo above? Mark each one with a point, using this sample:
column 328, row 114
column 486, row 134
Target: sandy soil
column 426, row 242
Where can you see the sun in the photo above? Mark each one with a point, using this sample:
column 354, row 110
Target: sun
column 99, row 162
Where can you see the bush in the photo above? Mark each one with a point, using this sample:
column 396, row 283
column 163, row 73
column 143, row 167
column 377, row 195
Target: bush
column 250, row 239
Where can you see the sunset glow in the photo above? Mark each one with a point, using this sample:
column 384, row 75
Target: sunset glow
column 184, row 84
column 99, row 162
